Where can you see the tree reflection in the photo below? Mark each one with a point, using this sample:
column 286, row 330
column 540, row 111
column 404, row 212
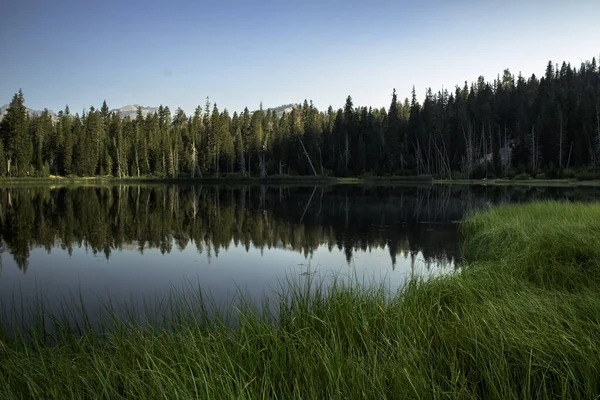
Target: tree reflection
column 404, row 220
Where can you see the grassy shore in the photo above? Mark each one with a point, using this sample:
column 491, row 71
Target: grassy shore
column 520, row 320
column 525, row 182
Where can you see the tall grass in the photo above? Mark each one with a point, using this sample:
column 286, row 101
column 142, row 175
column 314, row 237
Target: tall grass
column 521, row 320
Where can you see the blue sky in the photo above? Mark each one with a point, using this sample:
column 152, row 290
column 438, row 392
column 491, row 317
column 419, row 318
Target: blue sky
column 240, row 53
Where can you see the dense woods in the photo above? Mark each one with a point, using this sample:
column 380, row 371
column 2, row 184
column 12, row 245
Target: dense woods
column 544, row 127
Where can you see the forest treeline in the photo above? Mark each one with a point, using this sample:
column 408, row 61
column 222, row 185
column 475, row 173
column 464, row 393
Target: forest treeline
column 545, row 127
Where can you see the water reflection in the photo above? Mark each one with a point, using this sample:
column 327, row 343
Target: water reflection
column 120, row 243
column 405, row 221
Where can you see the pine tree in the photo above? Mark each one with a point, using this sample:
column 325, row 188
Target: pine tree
column 79, row 146
column 41, row 128
column 216, row 137
column 66, row 150
column 93, row 139
column 391, row 143
column 118, row 146
column 483, row 129
column 18, row 146
column 348, row 130
column 2, row 159
column 165, row 139
column 177, row 157
column 196, row 143
column 246, row 137
column 227, row 145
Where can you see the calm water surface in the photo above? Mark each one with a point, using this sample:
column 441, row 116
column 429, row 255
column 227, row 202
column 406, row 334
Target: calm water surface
column 130, row 242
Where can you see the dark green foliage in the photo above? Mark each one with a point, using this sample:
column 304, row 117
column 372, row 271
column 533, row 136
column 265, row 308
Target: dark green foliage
column 18, row 143
column 587, row 175
column 521, row 177
column 483, row 130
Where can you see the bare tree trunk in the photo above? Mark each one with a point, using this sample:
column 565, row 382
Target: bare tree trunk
column 307, row 156
column 194, row 159
column 147, row 161
column 172, row 163
column 137, row 162
column 263, row 171
column 444, row 169
column 484, row 144
column 494, row 162
column 217, row 161
column 468, row 158
column 429, row 156
column 242, row 162
column 570, row 151
column 533, row 150
column 560, row 143
column 320, row 159
column 347, row 151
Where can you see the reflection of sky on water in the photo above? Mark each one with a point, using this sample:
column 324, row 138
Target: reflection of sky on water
column 129, row 274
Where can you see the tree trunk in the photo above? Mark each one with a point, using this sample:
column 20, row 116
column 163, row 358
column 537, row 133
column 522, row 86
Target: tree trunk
column 560, row 142
column 307, row 156
column 347, row 151
column 321, row 160
column 217, row 161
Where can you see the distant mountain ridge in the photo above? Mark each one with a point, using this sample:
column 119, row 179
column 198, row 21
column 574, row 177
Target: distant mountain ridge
column 30, row 112
column 131, row 110
column 126, row 111
column 286, row 108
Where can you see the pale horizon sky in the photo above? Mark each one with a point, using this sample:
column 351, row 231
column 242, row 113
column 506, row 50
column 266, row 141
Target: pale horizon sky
column 241, row 53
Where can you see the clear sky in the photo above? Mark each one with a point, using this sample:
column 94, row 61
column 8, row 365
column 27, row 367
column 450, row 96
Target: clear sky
column 243, row 52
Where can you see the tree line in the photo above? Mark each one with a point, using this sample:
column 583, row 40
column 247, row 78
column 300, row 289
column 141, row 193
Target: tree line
column 548, row 126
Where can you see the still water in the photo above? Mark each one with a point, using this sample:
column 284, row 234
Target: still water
column 127, row 242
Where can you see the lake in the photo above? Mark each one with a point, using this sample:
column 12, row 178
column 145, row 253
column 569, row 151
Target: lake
column 123, row 243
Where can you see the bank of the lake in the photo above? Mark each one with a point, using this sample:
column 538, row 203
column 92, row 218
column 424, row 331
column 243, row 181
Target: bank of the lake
column 293, row 180
column 521, row 320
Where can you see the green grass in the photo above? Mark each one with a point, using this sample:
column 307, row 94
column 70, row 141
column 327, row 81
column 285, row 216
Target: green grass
column 520, row 321
column 528, row 182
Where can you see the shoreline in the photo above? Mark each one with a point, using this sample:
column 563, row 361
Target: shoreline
column 283, row 180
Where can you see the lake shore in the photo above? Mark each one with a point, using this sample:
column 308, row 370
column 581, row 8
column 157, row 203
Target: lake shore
column 521, row 319
column 294, row 180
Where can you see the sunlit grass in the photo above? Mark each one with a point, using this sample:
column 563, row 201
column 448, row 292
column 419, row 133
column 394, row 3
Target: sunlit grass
column 521, row 320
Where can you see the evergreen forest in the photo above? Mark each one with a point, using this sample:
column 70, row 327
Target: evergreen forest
column 544, row 127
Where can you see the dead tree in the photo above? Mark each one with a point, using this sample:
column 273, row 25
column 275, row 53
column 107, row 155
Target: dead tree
column 306, row 154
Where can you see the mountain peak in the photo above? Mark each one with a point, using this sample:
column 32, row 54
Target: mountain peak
column 30, row 112
column 130, row 110
column 283, row 109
